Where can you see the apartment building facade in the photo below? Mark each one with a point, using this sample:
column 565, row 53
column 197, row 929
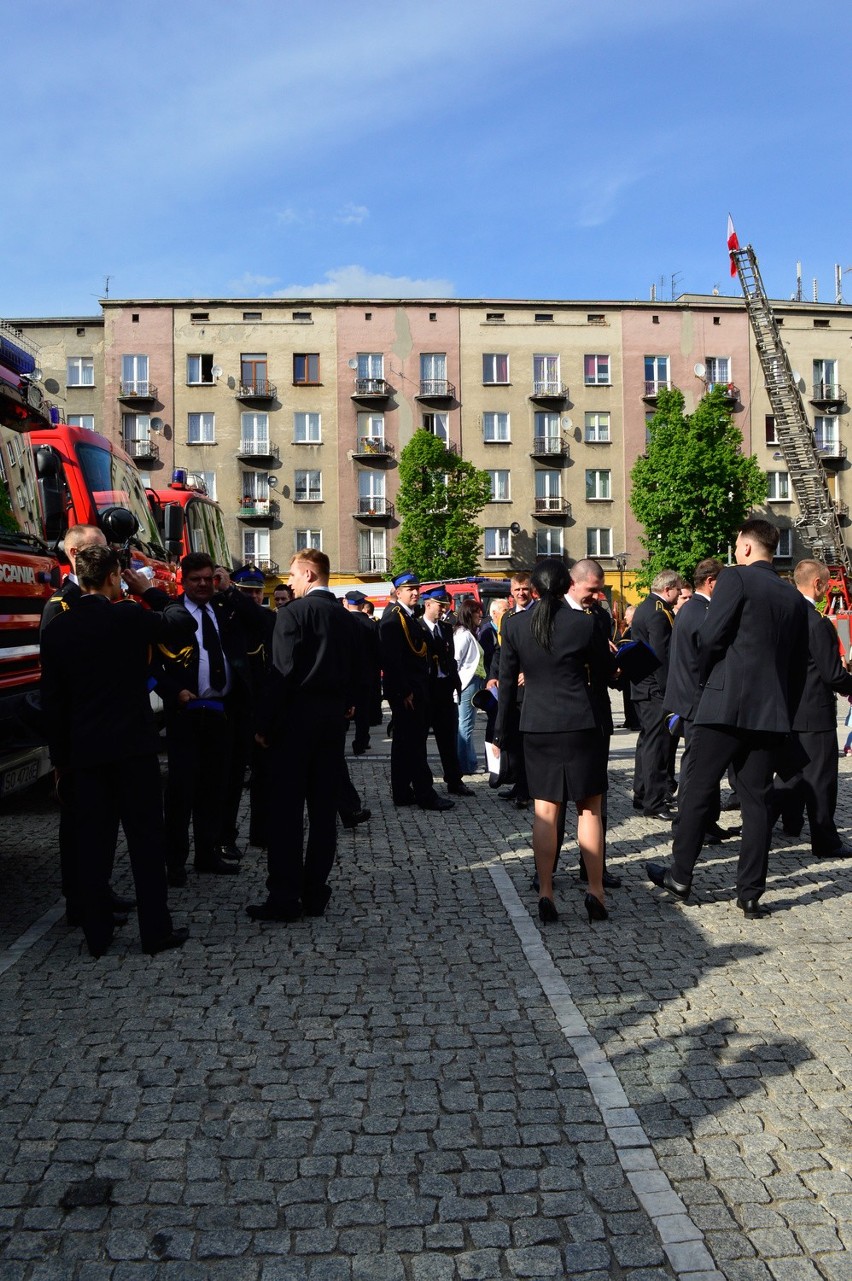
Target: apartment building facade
column 295, row 412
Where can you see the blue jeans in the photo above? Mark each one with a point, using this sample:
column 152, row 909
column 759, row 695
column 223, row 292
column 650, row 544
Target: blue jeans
column 468, row 764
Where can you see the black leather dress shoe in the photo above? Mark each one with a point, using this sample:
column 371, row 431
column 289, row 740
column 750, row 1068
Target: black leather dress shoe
column 793, row 832
column 230, row 851
column 716, row 834
column 358, row 749
column 439, row 803
column 508, row 794
column 608, row 880
column 219, row 867
column 752, row 909
column 405, row 800
column 840, row 851
column 732, row 803
column 461, row 789
column 269, row 912
column 665, row 814
column 352, row 820
column 120, row 904
column 176, row 938
column 661, row 876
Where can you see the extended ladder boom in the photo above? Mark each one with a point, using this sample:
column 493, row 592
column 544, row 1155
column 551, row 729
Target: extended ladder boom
column 818, row 523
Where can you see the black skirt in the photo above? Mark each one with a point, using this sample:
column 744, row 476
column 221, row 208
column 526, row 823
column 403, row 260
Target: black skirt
column 569, row 765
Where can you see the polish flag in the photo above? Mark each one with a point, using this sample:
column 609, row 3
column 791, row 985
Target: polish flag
column 733, row 243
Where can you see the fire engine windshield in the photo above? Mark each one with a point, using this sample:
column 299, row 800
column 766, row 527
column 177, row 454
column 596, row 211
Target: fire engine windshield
column 112, row 482
column 20, row 514
column 206, row 530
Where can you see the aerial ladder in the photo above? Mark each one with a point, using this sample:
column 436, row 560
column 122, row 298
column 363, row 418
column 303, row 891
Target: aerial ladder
column 819, row 521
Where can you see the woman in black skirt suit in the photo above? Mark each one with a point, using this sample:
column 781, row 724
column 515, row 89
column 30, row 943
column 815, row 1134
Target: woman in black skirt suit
column 563, row 656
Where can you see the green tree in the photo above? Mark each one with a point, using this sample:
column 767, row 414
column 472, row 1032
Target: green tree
column 440, row 497
column 694, row 486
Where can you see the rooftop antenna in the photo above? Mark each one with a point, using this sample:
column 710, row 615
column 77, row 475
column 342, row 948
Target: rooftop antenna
column 676, row 276
column 107, row 279
column 798, row 282
column 838, row 282
column 815, row 289
column 653, row 293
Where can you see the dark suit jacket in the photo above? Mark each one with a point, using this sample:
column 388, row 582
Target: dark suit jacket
column 94, row 681
column 652, row 623
column 825, row 677
column 442, row 656
column 561, row 685
column 405, row 653
column 683, row 685
column 314, row 664
column 62, row 600
column 753, row 651
column 243, row 626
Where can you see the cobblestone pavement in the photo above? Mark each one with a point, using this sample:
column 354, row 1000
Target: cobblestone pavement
column 425, row 1084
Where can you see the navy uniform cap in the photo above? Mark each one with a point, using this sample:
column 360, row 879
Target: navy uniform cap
column 355, row 598
column 406, row 579
column 248, row 576
column 436, row 593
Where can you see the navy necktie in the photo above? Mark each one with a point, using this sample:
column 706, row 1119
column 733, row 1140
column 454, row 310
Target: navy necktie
column 215, row 657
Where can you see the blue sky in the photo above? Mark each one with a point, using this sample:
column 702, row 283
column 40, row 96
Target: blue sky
column 546, row 149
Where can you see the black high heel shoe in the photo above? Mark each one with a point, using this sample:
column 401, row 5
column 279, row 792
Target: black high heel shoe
column 596, row 909
column 547, row 911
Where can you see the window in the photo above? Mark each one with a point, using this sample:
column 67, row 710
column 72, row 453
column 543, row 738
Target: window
column 498, row 543
column 770, row 429
column 255, row 546
column 595, row 318
column 303, row 316
column 821, row 324
column 656, row 374
column 548, row 491
column 548, row 542
column 495, row 316
column 209, row 478
column 371, row 491
column 495, row 367
column 717, row 371
column 372, row 551
column 307, row 429
column 254, row 433
column 371, row 426
column 80, row 371
column 437, row 425
column 548, row 432
column 198, row 317
column 544, row 317
column 825, row 379
column 433, row 373
column 199, row 370
column 136, row 428
column 596, row 371
column 495, row 428
column 134, row 375
column 252, row 316
column 308, row 487
column 86, row 421
column 598, row 486
column 779, row 486
column 597, row 429
column 306, row 369
column 826, row 434
column 785, row 545
column 546, row 380
column 255, row 488
column 371, row 364
column 254, row 371
column 598, row 542
column 200, row 429
column 306, row 538
column 500, row 489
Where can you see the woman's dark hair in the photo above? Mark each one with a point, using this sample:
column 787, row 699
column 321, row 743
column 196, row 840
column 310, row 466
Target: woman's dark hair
column 466, row 611
column 551, row 581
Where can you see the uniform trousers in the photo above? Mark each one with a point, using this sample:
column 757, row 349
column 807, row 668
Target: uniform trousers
column 126, row 792
column 411, row 776
column 305, row 771
column 653, row 746
column 752, row 757
column 812, row 754
column 199, row 753
column 444, row 721
column 685, row 771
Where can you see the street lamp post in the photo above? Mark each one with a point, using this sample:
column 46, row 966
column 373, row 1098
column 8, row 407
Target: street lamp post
column 621, row 563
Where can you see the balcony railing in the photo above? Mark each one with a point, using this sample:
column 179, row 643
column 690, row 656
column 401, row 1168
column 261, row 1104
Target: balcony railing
column 378, row 508
column 260, row 389
column 731, row 392
column 137, row 390
column 372, row 564
column 436, row 389
column 371, row 389
column 549, row 389
column 257, row 449
column 828, row 394
column 142, row 448
column 267, row 566
column 373, row 447
column 549, row 446
column 551, row 506
column 653, row 387
column 827, row 447
column 842, row 508
column 257, row 509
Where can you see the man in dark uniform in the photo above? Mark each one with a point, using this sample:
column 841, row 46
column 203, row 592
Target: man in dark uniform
column 95, row 660
column 312, row 692
column 206, row 689
column 652, row 624
column 405, row 664
column 249, row 580
column 513, row 748
column 368, row 699
column 444, row 686
column 753, row 657
column 809, row 758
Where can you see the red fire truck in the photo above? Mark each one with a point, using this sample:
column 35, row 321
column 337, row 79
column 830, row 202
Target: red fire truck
column 188, row 519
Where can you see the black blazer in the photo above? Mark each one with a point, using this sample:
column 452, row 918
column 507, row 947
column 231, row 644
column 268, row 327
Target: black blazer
column 314, row 664
column 753, row 651
column 561, row 686
column 825, row 677
column 243, row 627
column 652, row 623
column 94, row 680
column 405, row 653
column 61, row 601
column 683, row 684
column 442, row 656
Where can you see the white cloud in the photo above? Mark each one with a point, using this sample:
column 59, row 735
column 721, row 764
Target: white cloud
column 249, row 280
column 357, row 282
column 352, row 214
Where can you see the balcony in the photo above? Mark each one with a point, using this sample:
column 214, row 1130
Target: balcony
column 138, row 391
column 267, row 566
column 551, row 508
column 259, row 390
column 371, row 389
column 142, row 449
column 373, row 564
column 653, row 387
column 829, row 396
column 259, row 450
column 841, row 508
column 374, row 509
column 729, row 391
column 374, row 448
column 260, row 511
column 549, row 447
column 436, row 389
column 829, row 449
column 549, row 389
